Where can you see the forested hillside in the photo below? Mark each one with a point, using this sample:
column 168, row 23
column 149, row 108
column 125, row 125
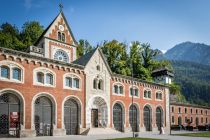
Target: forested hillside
column 194, row 79
column 188, row 51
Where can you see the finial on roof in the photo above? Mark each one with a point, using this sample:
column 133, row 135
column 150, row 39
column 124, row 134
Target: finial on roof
column 61, row 7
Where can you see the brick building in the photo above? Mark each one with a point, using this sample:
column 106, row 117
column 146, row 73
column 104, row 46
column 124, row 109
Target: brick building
column 182, row 114
column 47, row 91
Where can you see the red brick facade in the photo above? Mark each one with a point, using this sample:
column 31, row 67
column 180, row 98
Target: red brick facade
column 197, row 115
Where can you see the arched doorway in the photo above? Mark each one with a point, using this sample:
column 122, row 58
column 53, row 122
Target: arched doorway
column 71, row 117
column 43, row 119
column 11, row 112
column 159, row 117
column 98, row 110
column 197, row 121
column 147, row 118
column 118, row 117
column 133, row 114
column 179, row 120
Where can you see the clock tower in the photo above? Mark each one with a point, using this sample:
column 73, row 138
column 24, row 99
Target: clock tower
column 57, row 41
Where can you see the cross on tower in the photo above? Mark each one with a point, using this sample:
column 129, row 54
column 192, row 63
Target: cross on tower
column 61, row 7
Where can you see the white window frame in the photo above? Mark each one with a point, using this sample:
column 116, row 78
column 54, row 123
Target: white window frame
column 72, row 75
column 160, row 92
column 118, row 84
column 44, row 71
column 147, row 89
column 134, row 87
column 11, row 65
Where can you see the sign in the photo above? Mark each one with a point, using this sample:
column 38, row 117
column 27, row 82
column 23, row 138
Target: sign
column 14, row 119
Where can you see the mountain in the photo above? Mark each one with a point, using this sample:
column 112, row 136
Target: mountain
column 194, row 79
column 188, row 51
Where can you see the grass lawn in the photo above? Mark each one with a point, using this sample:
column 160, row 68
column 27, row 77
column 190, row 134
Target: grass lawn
column 202, row 134
column 134, row 139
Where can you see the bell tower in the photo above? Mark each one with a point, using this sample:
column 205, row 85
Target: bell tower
column 57, row 41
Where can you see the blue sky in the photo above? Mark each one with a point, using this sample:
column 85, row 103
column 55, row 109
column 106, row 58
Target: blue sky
column 162, row 23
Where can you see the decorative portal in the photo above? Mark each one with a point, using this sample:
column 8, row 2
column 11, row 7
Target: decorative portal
column 61, row 55
column 133, row 118
column 10, row 115
column 159, row 119
column 147, row 118
column 118, row 117
column 99, row 112
column 43, row 117
column 71, row 117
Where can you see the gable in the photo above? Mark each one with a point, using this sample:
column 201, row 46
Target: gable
column 59, row 24
column 97, row 59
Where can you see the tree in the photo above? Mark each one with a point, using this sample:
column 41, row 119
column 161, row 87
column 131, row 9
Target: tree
column 9, row 37
column 148, row 55
column 31, row 31
column 83, row 47
column 116, row 56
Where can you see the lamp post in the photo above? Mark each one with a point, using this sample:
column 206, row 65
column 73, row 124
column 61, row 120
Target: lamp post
column 132, row 101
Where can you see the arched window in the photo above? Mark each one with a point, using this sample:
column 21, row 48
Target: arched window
column 185, row 110
column 191, row 120
column 134, row 91
column 172, row 109
column 68, row 82
column 44, row 77
column 16, row 73
column 202, row 120
column 40, row 77
column 159, row 95
column 49, row 79
column 71, row 81
column 11, row 71
column 5, row 72
column 147, row 94
column 59, row 36
column 172, row 119
column 76, row 83
column 95, row 84
column 118, row 89
column 63, row 37
column 179, row 110
column 100, row 85
column 98, row 67
column 61, row 55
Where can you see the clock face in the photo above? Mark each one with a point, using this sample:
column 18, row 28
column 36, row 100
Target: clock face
column 61, row 28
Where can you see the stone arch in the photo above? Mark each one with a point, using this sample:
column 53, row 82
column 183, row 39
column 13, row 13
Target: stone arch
column 81, row 109
column 21, row 99
column 147, row 117
column 54, row 108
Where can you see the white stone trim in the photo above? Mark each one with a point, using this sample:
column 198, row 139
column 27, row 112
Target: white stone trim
column 11, row 65
column 72, row 75
column 159, row 91
column 123, row 109
column 134, row 87
column 79, row 102
column 20, row 96
column 45, row 71
column 54, row 106
column 147, row 89
column 121, row 84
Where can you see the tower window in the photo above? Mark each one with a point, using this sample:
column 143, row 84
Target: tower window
column 59, row 36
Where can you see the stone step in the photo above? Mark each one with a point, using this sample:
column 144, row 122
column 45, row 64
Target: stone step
column 99, row 131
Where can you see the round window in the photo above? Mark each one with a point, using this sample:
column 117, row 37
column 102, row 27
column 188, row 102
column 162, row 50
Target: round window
column 61, row 56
